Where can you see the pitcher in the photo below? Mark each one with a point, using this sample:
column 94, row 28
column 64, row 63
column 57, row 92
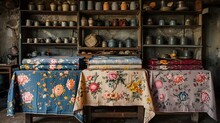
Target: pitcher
column 124, row 6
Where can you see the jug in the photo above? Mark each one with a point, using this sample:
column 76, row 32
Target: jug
column 133, row 5
column 124, row 6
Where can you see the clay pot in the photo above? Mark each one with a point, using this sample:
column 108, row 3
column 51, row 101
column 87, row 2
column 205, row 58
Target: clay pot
column 124, row 6
column 65, row 6
column 53, row 6
column 106, row 6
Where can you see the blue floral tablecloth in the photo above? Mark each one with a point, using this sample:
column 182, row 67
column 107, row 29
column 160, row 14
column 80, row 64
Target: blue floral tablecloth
column 43, row 92
column 183, row 91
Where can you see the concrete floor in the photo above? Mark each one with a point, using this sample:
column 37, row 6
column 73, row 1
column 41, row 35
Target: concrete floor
column 165, row 118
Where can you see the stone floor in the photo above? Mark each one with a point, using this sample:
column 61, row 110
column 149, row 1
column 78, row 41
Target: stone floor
column 165, row 118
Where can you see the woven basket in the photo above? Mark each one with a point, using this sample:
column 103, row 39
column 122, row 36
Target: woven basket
column 91, row 40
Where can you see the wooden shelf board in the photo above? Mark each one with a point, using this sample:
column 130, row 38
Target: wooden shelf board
column 158, row 12
column 48, row 12
column 50, row 27
column 62, row 44
column 110, row 12
column 107, row 48
column 181, row 46
column 109, row 27
column 176, row 26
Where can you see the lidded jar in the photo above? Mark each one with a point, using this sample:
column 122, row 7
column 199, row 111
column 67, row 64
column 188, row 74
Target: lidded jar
column 65, row 6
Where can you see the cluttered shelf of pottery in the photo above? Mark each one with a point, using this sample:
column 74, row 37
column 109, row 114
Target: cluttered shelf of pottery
column 50, row 27
column 48, row 12
column 59, row 44
column 157, row 12
column 181, row 46
column 109, row 27
column 107, row 48
column 110, row 12
column 175, row 26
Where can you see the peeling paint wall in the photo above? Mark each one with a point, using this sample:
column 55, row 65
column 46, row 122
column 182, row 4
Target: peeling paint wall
column 211, row 24
column 8, row 35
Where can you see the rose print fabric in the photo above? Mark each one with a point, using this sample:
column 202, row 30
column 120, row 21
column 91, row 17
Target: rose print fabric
column 174, row 67
column 56, row 60
column 113, row 67
column 49, row 67
column 114, row 88
column 43, row 92
column 183, row 91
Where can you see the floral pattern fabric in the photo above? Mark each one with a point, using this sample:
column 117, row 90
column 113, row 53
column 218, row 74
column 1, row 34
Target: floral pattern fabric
column 56, row 60
column 49, row 67
column 114, row 88
column 115, row 60
column 113, row 67
column 43, row 92
column 183, row 91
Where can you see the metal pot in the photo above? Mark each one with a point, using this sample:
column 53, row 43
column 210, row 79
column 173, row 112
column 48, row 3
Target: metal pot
column 172, row 40
column 112, row 43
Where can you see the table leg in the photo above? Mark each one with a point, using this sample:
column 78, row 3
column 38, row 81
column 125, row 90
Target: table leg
column 140, row 114
column 28, row 118
column 88, row 114
column 195, row 117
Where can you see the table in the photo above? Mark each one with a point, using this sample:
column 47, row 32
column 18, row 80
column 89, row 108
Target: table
column 114, row 88
column 7, row 69
column 183, row 91
column 43, row 92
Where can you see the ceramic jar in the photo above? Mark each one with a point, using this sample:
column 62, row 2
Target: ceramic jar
column 40, row 7
column 74, row 41
column 65, row 6
column 84, row 21
column 106, row 6
column 73, row 7
column 115, row 6
column 148, row 40
column 28, row 22
column 133, row 5
column 124, row 6
column 59, row 7
column 65, row 40
column 133, row 22
column 183, row 40
column 53, row 6
column 112, row 43
column 82, row 5
column 172, row 22
column 129, row 42
column 98, row 6
column 172, row 40
column 104, row 44
column 90, row 21
column 63, row 23
column 159, row 40
column 31, row 6
column 47, row 23
column 48, row 40
column 120, row 44
column 90, row 5
column 161, row 22
column 58, row 40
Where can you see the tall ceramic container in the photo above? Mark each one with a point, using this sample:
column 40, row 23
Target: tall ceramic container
column 106, row 6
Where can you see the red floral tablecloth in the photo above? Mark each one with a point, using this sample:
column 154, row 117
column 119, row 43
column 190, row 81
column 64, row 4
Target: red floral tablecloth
column 183, row 91
column 114, row 88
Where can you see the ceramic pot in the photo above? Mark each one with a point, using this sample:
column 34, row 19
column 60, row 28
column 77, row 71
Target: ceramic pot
column 90, row 5
column 98, row 6
column 161, row 22
column 74, row 41
column 112, row 43
column 106, row 6
column 115, row 6
column 172, row 22
column 73, row 7
column 183, row 40
column 40, row 7
column 128, row 42
column 186, row 54
column 124, row 6
column 104, row 44
column 53, row 6
column 48, row 40
column 148, row 40
column 31, row 6
column 84, row 21
column 122, row 22
column 47, row 23
column 65, row 6
column 58, row 40
column 28, row 22
column 133, row 5
column 65, row 40
column 172, row 40
column 115, row 22
column 90, row 21
column 133, row 22
column 82, row 5
column 159, row 40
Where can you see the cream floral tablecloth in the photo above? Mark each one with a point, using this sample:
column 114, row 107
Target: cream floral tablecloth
column 114, row 88
column 183, row 91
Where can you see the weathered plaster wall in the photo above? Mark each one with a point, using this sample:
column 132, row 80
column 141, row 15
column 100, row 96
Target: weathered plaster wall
column 8, row 20
column 211, row 26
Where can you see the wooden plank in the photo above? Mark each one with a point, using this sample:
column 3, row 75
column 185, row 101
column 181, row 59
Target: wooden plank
column 115, row 115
